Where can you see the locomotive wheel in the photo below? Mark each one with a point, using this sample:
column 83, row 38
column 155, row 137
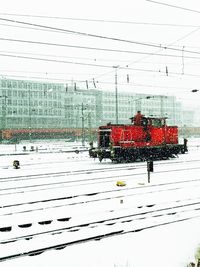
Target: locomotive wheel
column 120, row 160
column 182, row 151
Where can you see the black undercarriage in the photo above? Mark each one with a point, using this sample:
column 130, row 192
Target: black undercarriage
column 119, row 154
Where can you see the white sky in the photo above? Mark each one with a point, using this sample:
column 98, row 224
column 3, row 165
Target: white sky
column 183, row 73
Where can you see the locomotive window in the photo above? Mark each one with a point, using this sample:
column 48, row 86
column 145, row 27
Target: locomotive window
column 104, row 138
column 145, row 121
column 157, row 123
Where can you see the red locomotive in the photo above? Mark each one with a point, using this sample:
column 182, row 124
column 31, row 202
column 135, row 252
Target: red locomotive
column 146, row 138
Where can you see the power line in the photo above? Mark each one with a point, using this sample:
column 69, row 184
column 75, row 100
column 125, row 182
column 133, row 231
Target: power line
column 30, row 28
column 103, row 66
column 56, row 31
column 40, row 78
column 45, row 73
column 90, row 59
column 88, row 64
column 102, row 49
column 98, row 82
column 179, row 7
column 90, row 35
column 57, row 56
column 95, row 65
column 57, row 61
column 75, row 32
column 100, row 20
column 169, row 45
column 98, row 36
column 77, row 63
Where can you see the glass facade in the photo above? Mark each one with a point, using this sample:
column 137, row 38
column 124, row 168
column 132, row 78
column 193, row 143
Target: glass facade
column 34, row 105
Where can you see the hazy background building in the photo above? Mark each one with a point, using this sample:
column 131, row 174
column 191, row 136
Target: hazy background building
column 27, row 104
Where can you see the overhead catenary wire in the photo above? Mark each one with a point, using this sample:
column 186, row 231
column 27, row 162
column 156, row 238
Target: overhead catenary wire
column 186, row 89
column 99, row 20
column 43, row 72
column 56, row 61
column 56, row 31
column 29, row 28
column 168, row 45
column 17, row 56
column 101, row 49
column 63, row 56
column 99, row 36
column 84, row 64
column 89, row 84
column 98, row 65
column 161, row 47
column 92, row 58
column 174, row 6
column 158, row 71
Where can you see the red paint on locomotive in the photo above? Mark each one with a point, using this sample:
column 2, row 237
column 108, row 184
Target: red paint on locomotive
column 152, row 137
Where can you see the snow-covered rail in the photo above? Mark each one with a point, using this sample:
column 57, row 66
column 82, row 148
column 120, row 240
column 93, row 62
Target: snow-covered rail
column 90, row 228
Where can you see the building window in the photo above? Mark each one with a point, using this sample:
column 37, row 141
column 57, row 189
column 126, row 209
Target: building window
column 9, row 102
column 20, row 111
column 25, row 102
column 35, row 103
column 9, row 93
column 26, row 111
column 3, row 84
column 9, row 110
column 15, row 102
column 9, row 85
column 35, row 94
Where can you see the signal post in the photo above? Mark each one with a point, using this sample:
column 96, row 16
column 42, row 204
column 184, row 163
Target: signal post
column 149, row 168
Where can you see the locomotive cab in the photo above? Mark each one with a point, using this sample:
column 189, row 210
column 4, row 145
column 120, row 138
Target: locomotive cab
column 104, row 143
column 146, row 137
column 155, row 122
column 158, row 122
column 104, row 138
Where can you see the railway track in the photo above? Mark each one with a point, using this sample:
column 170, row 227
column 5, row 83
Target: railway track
column 37, row 161
column 77, row 208
column 64, row 198
column 95, row 228
column 65, row 182
column 112, row 168
column 123, row 192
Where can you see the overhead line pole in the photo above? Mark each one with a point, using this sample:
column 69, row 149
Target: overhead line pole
column 83, row 127
column 3, row 119
column 116, row 95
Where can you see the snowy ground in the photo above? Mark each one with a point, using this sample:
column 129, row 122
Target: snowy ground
column 171, row 245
